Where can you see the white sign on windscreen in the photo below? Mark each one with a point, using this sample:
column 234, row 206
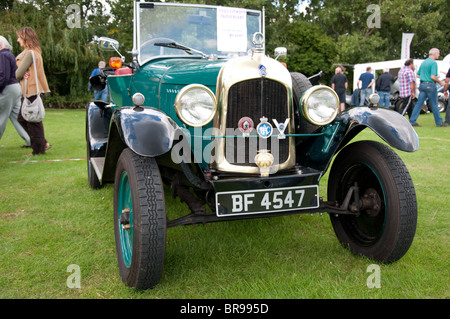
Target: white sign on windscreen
column 231, row 30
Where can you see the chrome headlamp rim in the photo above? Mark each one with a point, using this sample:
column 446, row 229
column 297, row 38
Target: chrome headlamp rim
column 306, row 97
column 138, row 99
column 178, row 107
column 374, row 98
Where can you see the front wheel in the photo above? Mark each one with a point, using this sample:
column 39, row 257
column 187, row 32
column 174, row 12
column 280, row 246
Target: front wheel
column 385, row 228
column 139, row 220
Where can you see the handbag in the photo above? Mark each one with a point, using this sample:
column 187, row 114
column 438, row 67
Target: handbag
column 33, row 112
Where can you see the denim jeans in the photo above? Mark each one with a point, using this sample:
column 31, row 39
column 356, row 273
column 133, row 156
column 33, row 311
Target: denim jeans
column 101, row 95
column 9, row 98
column 427, row 90
column 447, row 113
column 19, row 128
column 385, row 98
column 365, row 93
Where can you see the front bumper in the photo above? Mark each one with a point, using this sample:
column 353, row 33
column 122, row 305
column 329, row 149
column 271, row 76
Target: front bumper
column 277, row 187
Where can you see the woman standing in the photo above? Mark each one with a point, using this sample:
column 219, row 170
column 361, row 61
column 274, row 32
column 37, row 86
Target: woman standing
column 10, row 92
column 28, row 39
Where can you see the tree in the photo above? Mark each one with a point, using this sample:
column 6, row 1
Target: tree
column 68, row 56
column 360, row 41
column 121, row 24
column 6, row 4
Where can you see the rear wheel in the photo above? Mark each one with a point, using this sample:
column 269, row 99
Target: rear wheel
column 139, row 220
column 385, row 228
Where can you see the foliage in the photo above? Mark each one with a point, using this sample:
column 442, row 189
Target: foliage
column 357, row 41
column 68, row 55
column 310, row 49
column 326, row 34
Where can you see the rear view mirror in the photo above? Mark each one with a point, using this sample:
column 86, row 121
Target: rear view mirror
column 280, row 51
column 106, row 44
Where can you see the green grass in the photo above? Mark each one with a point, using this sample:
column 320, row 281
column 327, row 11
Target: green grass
column 50, row 219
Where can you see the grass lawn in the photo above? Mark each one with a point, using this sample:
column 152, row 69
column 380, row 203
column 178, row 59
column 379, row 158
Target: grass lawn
column 51, row 219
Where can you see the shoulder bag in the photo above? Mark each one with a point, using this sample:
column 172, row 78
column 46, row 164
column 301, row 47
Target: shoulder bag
column 33, row 112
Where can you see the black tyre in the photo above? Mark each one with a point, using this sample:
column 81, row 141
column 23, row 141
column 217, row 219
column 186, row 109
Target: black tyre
column 300, row 84
column 399, row 106
column 139, row 220
column 93, row 180
column 386, row 226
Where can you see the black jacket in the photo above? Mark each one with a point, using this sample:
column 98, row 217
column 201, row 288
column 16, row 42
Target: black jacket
column 384, row 82
column 7, row 69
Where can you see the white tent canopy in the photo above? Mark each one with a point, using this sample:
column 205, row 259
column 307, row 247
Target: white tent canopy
column 394, row 66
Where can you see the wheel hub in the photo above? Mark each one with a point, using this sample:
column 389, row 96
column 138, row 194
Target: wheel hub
column 371, row 202
column 125, row 219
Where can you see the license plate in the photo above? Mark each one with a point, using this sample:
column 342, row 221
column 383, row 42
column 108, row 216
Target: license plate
column 266, row 200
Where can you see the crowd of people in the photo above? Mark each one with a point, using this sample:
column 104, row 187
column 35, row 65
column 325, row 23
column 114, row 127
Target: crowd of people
column 427, row 75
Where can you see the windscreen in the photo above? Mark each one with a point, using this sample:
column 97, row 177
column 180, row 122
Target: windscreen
column 211, row 30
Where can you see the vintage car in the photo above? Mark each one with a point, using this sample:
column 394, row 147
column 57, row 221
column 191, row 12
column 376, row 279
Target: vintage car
column 202, row 109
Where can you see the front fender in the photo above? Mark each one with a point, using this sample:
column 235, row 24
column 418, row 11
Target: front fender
column 97, row 126
column 389, row 125
column 146, row 131
column 318, row 151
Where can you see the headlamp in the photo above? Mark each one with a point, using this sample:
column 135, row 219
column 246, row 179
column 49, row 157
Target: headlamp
column 374, row 99
column 320, row 105
column 195, row 105
column 138, row 99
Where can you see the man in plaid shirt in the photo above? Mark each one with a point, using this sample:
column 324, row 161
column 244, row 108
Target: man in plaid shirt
column 407, row 83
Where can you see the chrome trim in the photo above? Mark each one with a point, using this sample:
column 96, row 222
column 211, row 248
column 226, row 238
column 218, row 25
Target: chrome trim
column 243, row 69
column 182, row 92
column 374, row 98
column 308, row 94
column 138, row 99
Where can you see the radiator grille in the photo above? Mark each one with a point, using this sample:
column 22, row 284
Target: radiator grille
column 256, row 98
